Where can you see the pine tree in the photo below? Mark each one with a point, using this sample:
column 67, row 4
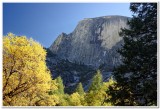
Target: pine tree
column 96, row 82
column 137, row 76
column 79, row 89
column 95, row 96
column 60, row 85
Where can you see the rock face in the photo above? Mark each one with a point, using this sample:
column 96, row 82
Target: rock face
column 93, row 42
column 73, row 73
column 91, row 46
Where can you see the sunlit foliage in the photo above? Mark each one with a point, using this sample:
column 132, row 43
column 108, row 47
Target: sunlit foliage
column 79, row 89
column 27, row 81
column 25, row 76
column 75, row 99
column 97, row 96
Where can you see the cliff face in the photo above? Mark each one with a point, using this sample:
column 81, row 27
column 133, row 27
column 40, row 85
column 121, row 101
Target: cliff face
column 93, row 42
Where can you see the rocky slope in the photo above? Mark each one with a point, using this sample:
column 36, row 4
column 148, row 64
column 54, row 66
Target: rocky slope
column 93, row 42
column 91, row 46
column 73, row 73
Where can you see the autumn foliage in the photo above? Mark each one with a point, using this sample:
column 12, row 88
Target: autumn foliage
column 28, row 82
column 25, row 75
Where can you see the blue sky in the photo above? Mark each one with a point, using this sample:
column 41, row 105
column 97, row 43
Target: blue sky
column 45, row 21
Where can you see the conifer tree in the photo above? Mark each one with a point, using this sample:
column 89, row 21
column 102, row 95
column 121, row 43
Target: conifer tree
column 79, row 89
column 60, row 85
column 96, row 82
column 137, row 77
column 95, row 95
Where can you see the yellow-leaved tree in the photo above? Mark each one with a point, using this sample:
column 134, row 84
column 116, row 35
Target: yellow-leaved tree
column 75, row 99
column 26, row 79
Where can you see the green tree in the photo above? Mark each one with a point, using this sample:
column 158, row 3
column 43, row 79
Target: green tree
column 64, row 98
column 96, row 82
column 95, row 95
column 60, row 85
column 79, row 89
column 137, row 76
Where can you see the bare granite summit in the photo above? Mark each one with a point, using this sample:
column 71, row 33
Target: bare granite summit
column 93, row 42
